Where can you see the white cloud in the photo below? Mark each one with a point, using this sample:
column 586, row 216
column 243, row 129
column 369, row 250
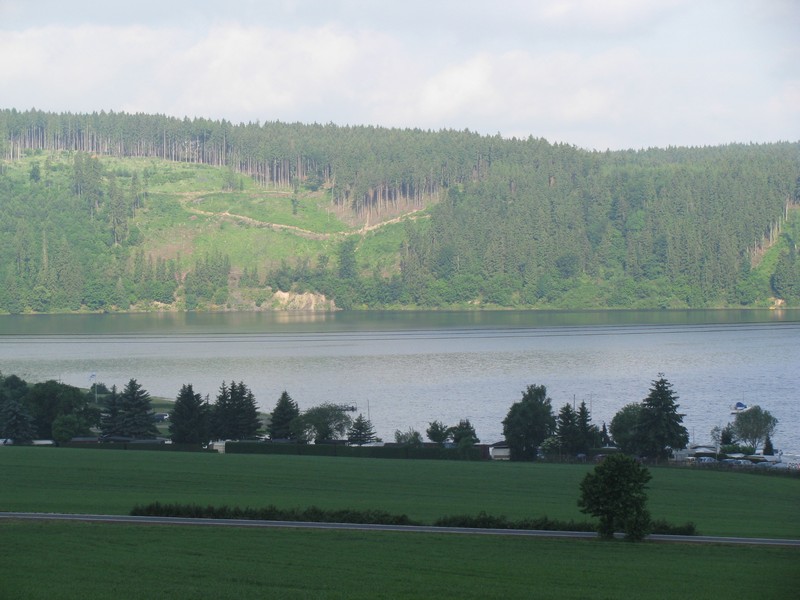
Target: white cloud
column 620, row 73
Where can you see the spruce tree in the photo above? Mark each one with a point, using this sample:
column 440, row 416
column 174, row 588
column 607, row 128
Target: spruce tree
column 605, row 439
column 567, row 430
column 188, row 421
column 110, row 421
column 589, row 434
column 16, row 423
column 768, row 449
column 246, row 421
column 286, row 411
column 660, row 425
column 361, row 432
column 234, row 415
column 135, row 412
column 221, row 415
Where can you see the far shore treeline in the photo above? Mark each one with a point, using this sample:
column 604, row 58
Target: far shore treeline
column 651, row 429
column 119, row 212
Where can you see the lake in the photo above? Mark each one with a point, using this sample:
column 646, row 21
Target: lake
column 405, row 369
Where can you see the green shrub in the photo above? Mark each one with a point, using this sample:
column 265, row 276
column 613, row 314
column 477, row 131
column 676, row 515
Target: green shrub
column 312, row 514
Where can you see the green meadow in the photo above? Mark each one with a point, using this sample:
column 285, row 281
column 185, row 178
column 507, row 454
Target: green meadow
column 71, row 560
column 106, row 481
column 80, row 560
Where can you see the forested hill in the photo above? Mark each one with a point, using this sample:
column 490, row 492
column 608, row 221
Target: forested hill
column 112, row 211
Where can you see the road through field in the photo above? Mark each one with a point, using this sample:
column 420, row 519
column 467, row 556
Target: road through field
column 143, row 520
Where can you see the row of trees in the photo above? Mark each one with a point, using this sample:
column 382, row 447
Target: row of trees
column 45, row 410
column 53, row 410
column 189, row 423
column 651, row 428
column 232, row 416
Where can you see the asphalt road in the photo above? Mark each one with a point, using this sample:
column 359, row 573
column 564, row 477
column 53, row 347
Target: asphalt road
column 127, row 519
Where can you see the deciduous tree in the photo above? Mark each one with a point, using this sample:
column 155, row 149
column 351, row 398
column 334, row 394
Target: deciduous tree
column 615, row 493
column 51, row 399
column 66, row 427
column 464, row 434
column 412, row 437
column 625, row 428
column 438, row 432
column 529, row 422
column 323, row 422
column 754, row 425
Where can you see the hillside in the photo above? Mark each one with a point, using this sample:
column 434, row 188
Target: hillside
column 138, row 212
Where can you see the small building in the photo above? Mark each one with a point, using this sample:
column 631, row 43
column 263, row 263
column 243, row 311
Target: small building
column 500, row 451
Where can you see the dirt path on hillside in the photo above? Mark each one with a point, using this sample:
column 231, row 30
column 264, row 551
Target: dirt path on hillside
column 188, row 198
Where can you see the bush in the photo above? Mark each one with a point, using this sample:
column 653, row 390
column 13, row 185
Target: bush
column 485, row 521
column 662, row 527
column 400, row 452
column 313, row 514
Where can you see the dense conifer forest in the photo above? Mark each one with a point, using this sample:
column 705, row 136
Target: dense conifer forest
column 113, row 211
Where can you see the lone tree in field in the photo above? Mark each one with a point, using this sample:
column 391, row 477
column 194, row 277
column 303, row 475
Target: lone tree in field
column 529, row 422
column 188, row 421
column 660, row 425
column 361, row 432
column 286, row 411
column 754, row 426
column 615, row 493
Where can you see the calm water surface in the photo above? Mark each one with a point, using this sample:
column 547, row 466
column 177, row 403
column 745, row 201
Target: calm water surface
column 406, row 369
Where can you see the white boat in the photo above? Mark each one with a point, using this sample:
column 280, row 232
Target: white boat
column 739, row 407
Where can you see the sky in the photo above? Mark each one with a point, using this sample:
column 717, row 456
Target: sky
column 596, row 74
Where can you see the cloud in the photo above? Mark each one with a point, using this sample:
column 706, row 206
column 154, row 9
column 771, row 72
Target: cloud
column 81, row 68
column 615, row 74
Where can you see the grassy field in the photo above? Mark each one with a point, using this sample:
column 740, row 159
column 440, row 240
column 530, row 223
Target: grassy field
column 79, row 560
column 74, row 560
column 98, row 481
column 313, row 212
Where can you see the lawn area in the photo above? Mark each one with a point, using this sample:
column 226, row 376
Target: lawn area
column 81, row 560
column 105, row 481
